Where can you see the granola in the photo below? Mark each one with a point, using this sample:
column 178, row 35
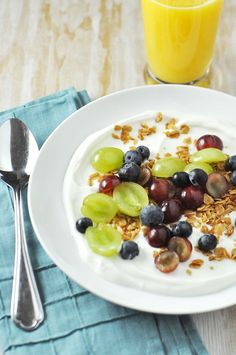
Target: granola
column 125, row 133
column 196, row 263
column 172, row 131
column 129, row 227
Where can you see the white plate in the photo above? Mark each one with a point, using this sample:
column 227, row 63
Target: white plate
column 46, row 185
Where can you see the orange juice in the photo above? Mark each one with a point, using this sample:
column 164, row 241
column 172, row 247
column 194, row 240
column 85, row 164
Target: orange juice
column 180, row 37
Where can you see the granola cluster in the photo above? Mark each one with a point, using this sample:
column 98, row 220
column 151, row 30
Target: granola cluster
column 159, row 117
column 123, row 133
column 145, row 131
column 129, row 227
column 213, row 216
column 172, row 131
column 183, row 153
column 218, row 254
column 196, row 263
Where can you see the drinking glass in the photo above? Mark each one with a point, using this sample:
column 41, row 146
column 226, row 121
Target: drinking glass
column 179, row 38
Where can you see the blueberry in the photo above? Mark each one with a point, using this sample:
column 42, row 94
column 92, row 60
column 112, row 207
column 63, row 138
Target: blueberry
column 129, row 172
column 181, row 179
column 231, row 163
column 182, row 229
column 83, row 223
column 129, row 250
column 144, row 151
column 233, row 178
column 151, row 216
column 198, row 177
column 207, row 242
column 132, row 156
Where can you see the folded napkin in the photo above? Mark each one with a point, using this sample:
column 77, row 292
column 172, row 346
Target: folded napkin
column 76, row 321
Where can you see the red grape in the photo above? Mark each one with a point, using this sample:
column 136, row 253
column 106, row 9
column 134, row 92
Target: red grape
column 159, row 236
column 217, row 185
column 192, row 197
column 167, row 261
column 108, row 183
column 181, row 246
column 145, row 177
column 209, row 141
column 172, row 210
column 161, row 189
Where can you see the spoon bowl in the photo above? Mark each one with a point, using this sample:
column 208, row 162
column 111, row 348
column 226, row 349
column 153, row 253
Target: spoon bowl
column 18, row 152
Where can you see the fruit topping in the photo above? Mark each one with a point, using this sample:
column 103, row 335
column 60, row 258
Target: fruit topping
column 107, row 159
column 198, row 177
column 166, row 167
column 161, row 189
column 144, row 151
column 145, row 177
column 158, row 192
column 182, row 229
column 233, row 178
column 207, row 242
column 209, row 141
column 159, row 236
column 83, row 223
column 231, row 163
column 151, row 216
column 217, row 185
column 103, row 239
column 129, row 172
column 181, row 179
column 208, row 155
column 192, row 197
column 130, row 198
column 181, row 246
column 108, row 183
column 132, row 156
column 172, row 210
column 167, row 261
column 129, row 250
column 204, row 166
column 99, row 207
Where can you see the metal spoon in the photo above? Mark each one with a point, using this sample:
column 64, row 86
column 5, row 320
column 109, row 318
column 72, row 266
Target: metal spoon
column 18, row 152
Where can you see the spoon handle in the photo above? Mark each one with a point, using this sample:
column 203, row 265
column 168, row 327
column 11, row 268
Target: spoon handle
column 26, row 307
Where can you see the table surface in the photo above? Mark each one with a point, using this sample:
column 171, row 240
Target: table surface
column 48, row 45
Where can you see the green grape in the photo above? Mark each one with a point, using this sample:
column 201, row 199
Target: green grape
column 204, row 166
column 99, row 207
column 166, row 167
column 130, row 198
column 107, row 159
column 208, row 155
column 103, row 239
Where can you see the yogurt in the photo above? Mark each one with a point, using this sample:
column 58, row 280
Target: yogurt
column 141, row 273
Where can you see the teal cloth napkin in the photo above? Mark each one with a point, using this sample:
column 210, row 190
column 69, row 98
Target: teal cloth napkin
column 76, row 321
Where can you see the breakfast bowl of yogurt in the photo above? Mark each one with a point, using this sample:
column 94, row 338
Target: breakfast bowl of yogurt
column 141, row 208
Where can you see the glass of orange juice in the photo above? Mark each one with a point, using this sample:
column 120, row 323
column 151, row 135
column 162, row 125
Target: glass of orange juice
column 179, row 38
